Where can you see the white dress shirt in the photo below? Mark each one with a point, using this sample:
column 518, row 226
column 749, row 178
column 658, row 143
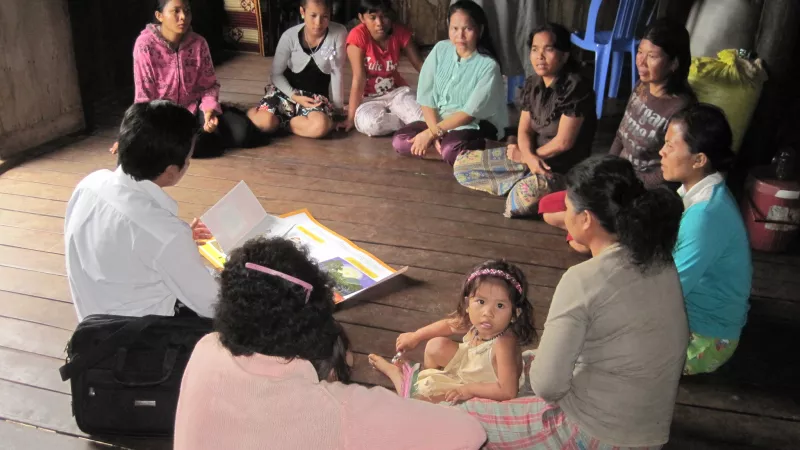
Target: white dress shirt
column 128, row 253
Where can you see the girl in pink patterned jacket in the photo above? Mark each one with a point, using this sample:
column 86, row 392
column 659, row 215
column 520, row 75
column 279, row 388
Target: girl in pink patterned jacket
column 171, row 62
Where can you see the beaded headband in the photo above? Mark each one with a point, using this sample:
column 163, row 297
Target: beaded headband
column 496, row 273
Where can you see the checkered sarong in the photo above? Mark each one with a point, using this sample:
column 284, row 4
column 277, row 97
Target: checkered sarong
column 532, row 423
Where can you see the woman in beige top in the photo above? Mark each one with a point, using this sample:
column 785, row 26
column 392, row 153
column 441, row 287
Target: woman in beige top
column 607, row 369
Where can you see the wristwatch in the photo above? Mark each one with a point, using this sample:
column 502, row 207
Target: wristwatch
column 440, row 133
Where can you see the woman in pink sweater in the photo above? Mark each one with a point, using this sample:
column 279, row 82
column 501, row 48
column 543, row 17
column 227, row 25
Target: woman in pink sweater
column 171, row 62
column 274, row 373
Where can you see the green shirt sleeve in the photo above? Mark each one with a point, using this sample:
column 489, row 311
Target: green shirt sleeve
column 482, row 102
column 426, row 88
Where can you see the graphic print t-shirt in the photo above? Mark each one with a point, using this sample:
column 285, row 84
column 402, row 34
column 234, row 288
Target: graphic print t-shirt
column 381, row 64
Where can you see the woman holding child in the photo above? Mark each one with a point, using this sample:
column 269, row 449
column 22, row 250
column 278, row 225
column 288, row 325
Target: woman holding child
column 712, row 254
column 381, row 101
column 274, row 373
column 460, row 91
column 171, row 62
column 307, row 76
column 606, row 372
column 555, row 131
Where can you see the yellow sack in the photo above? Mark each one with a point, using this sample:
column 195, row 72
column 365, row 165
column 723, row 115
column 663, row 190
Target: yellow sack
column 730, row 83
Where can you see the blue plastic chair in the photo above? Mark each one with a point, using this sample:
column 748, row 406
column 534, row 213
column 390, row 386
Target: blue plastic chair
column 514, row 83
column 610, row 47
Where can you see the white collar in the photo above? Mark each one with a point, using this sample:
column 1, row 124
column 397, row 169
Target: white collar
column 701, row 191
column 151, row 189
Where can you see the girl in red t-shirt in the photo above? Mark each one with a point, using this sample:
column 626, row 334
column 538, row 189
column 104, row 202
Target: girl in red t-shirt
column 381, row 102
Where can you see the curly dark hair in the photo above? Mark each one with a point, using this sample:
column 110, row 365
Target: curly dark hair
column 522, row 323
column 262, row 313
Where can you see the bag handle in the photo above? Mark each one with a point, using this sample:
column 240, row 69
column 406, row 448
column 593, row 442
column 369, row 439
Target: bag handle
column 170, row 357
column 122, row 337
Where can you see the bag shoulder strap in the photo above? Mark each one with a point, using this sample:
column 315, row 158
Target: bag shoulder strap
column 124, row 336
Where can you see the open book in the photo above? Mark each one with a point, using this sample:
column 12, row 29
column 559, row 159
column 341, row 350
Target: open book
column 238, row 217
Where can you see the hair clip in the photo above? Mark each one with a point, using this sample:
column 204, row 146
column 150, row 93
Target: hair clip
column 308, row 288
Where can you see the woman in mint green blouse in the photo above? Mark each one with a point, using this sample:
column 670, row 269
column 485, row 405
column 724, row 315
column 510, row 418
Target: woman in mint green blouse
column 460, row 91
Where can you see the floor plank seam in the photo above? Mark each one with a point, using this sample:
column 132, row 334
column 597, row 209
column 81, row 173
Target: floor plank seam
column 287, row 186
column 35, row 296
column 72, row 435
column 37, row 323
column 32, row 250
column 392, row 306
column 328, row 166
column 35, row 196
column 33, row 353
column 461, row 254
column 743, row 413
column 34, row 387
column 443, row 176
column 374, row 327
column 28, row 269
column 28, row 212
column 564, row 251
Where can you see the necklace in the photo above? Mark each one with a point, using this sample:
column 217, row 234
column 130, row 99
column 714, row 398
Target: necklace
column 475, row 333
column 308, row 41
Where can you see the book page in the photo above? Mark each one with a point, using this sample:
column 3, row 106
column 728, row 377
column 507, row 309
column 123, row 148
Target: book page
column 352, row 269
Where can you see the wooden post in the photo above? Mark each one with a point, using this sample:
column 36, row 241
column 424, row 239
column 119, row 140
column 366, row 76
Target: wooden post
column 771, row 126
column 777, row 36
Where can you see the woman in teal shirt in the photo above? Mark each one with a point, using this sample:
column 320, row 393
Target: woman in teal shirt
column 712, row 253
column 460, row 91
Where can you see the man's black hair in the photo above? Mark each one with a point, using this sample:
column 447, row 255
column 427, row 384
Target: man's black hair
column 154, row 136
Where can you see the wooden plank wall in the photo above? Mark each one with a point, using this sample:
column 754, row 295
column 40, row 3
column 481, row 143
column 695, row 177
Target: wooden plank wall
column 39, row 95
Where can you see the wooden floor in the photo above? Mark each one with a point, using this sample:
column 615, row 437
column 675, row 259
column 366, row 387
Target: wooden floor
column 405, row 211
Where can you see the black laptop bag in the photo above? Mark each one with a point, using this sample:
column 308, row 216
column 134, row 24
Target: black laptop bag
column 126, row 372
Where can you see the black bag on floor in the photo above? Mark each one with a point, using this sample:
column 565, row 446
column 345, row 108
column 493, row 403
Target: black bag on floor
column 126, row 372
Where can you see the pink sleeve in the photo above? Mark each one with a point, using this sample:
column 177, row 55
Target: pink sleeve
column 377, row 418
column 144, row 80
column 207, row 79
column 402, row 34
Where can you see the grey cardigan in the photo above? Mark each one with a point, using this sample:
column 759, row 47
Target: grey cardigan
column 330, row 58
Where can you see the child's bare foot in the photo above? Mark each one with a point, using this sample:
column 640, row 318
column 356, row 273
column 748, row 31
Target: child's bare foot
column 390, row 370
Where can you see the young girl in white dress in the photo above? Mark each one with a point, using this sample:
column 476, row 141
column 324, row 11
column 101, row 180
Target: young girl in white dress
column 496, row 318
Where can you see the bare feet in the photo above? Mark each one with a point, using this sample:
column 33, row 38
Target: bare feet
column 390, row 370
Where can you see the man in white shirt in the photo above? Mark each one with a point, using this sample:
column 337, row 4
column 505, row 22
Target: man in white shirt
column 127, row 251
